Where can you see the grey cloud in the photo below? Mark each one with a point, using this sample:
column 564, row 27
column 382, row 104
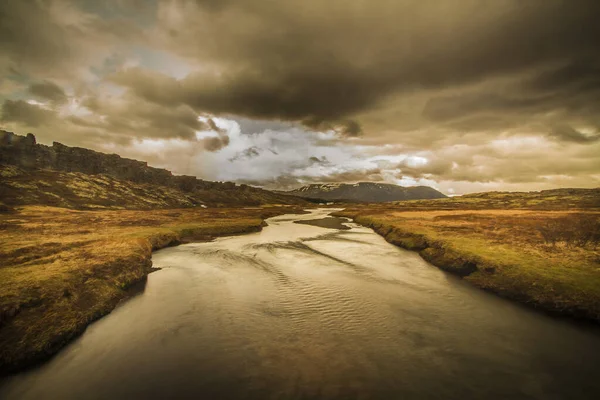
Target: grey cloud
column 21, row 112
column 150, row 86
column 351, row 128
column 577, row 74
column 298, row 61
column 437, row 167
column 48, row 91
column 344, row 128
column 254, row 126
column 139, row 118
column 316, row 160
column 213, row 126
column 54, row 37
column 543, row 103
column 569, row 134
column 489, row 163
column 442, row 109
column 216, row 143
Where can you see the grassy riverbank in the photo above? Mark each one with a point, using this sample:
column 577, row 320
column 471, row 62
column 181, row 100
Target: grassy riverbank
column 547, row 258
column 61, row 269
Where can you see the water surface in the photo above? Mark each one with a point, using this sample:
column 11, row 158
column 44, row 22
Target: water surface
column 306, row 312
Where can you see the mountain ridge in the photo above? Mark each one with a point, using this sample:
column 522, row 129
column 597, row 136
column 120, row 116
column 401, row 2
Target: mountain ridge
column 371, row 192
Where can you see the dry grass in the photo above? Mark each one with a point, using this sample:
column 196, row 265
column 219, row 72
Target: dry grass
column 507, row 251
column 60, row 269
column 555, row 199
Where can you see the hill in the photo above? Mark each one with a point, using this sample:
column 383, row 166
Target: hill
column 366, row 192
column 73, row 177
column 552, row 199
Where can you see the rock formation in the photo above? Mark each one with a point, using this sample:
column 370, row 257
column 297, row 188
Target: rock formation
column 32, row 159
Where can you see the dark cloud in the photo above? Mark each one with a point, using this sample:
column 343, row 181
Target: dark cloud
column 48, row 91
column 324, row 62
column 140, row 118
column 469, row 85
column 215, row 143
column 213, row 126
column 434, row 168
column 569, row 134
column 345, row 128
column 218, row 142
column 253, row 126
column 448, row 108
column 150, row 85
column 316, row 160
column 511, row 160
column 549, row 102
column 578, row 75
column 26, row 114
column 54, row 38
column 351, row 128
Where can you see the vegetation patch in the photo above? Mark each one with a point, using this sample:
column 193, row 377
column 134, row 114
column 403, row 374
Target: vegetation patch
column 61, row 269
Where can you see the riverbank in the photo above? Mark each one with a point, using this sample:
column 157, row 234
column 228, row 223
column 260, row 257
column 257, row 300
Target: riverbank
column 299, row 311
column 549, row 260
column 61, row 269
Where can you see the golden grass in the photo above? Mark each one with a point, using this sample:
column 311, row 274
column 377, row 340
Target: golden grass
column 60, row 269
column 555, row 199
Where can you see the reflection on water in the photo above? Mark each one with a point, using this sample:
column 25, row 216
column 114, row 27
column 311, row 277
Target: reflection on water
column 305, row 312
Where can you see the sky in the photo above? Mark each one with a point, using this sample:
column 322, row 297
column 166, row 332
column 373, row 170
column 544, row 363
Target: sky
column 461, row 95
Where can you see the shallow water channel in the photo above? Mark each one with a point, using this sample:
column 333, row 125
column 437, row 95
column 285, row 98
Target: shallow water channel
column 309, row 312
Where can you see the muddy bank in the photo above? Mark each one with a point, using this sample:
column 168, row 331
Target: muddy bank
column 327, row 222
column 480, row 272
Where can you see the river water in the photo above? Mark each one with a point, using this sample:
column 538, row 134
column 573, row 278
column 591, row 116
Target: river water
column 306, row 312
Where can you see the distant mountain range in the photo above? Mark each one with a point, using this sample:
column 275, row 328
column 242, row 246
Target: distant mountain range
column 366, row 192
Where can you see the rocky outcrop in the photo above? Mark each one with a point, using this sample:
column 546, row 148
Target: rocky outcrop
column 32, row 158
column 23, row 151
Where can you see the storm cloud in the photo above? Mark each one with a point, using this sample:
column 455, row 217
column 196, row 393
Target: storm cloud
column 324, row 63
column 20, row 111
column 48, row 91
column 453, row 83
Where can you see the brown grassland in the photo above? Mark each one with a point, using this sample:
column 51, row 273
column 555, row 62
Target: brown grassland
column 60, row 269
column 542, row 249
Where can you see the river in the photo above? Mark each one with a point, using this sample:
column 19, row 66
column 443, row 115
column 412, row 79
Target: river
column 307, row 312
